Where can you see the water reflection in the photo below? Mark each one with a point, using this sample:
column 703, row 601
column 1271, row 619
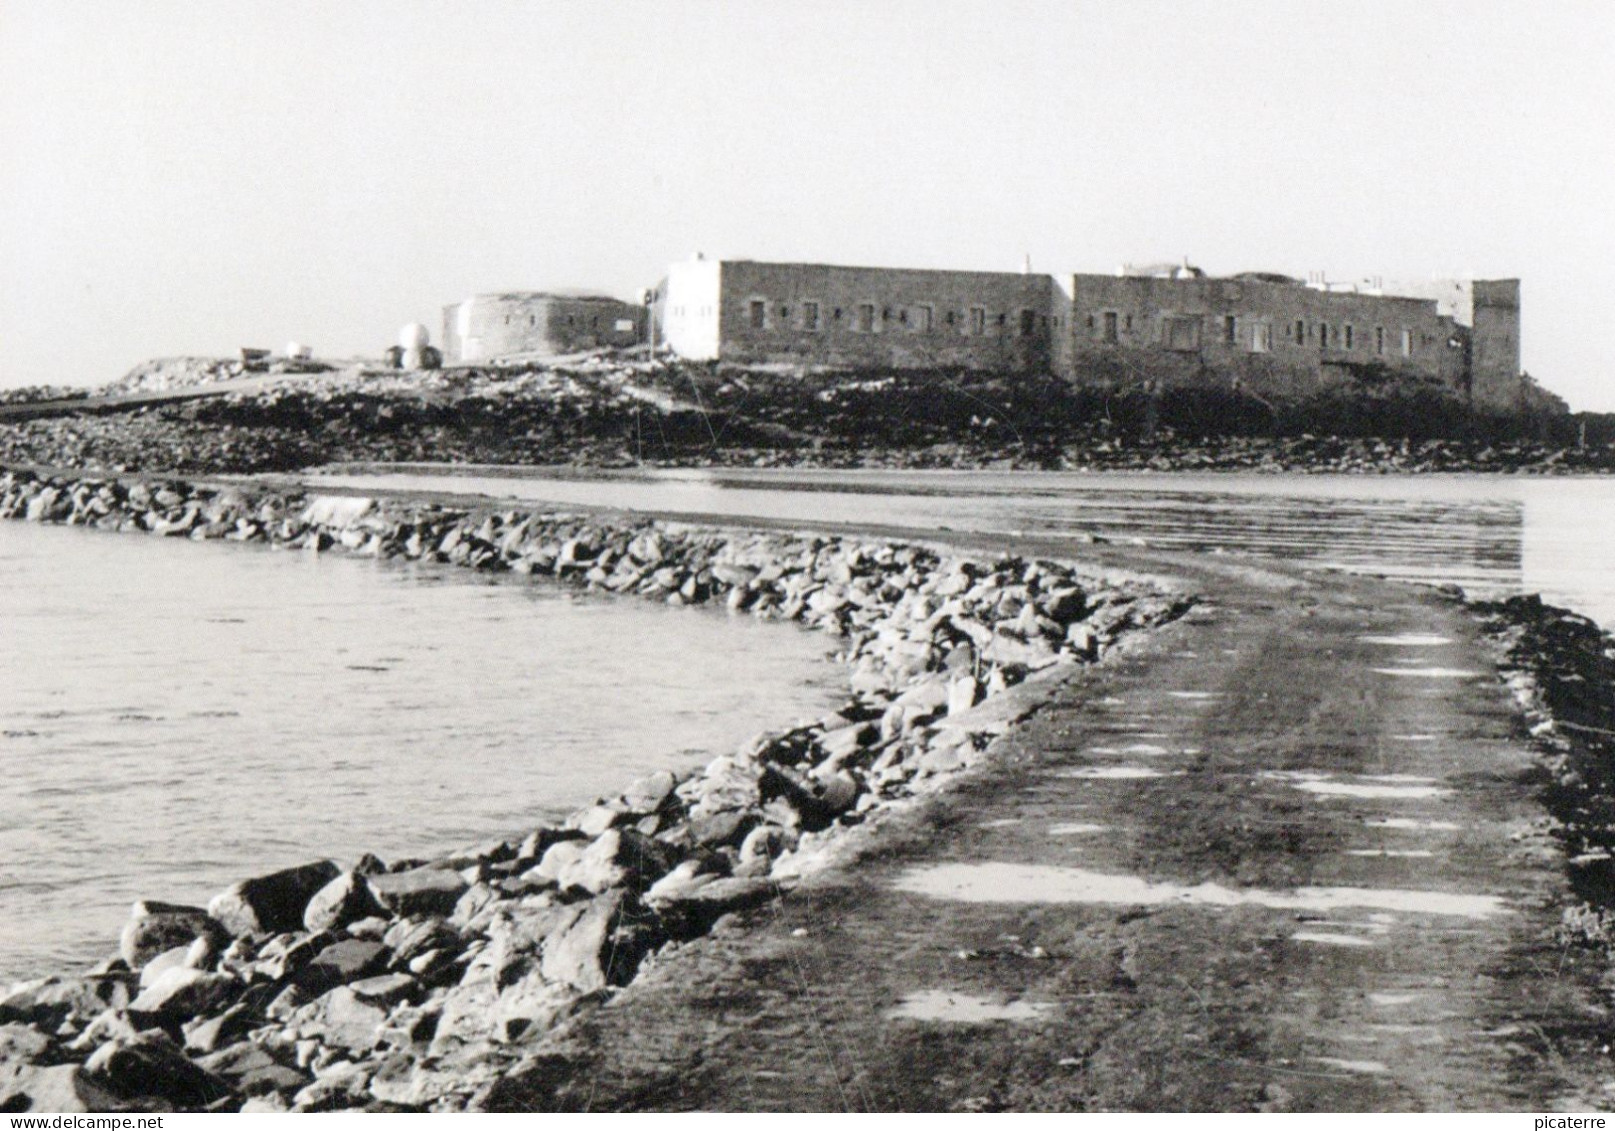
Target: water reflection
column 1491, row 534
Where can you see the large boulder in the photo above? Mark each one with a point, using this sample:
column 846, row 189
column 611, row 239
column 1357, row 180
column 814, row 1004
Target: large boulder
column 49, row 1002
column 385, row 990
column 181, row 994
column 652, row 793
column 63, row 1088
column 410, row 938
column 337, row 510
column 557, row 858
column 619, row 858
column 343, row 1018
column 816, row 799
column 273, row 903
column 209, row 1034
column 689, row 909
column 599, row 943
column 21, row 1044
column 346, row 961
column 419, row 891
column 344, row 900
column 150, row 1065
column 253, row 1069
column 163, row 963
column 155, row 927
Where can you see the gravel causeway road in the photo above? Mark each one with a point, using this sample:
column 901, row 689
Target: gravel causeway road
column 1284, row 855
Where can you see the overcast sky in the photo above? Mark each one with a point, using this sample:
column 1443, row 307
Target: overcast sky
column 194, row 177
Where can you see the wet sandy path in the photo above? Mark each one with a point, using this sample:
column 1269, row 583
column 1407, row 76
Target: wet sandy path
column 1284, row 856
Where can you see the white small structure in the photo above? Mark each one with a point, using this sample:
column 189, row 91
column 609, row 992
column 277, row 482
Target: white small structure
column 414, row 337
column 297, row 351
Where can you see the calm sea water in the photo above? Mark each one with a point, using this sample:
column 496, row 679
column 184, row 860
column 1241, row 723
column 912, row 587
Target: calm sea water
column 177, row 716
column 1492, row 534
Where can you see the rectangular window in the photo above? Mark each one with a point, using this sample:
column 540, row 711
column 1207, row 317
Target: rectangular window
column 759, row 314
column 1300, row 331
column 1323, row 335
column 1183, row 333
column 1407, row 342
column 1230, row 329
column 1028, row 323
column 978, row 320
column 922, row 319
column 1348, row 337
column 623, row 326
column 810, row 316
column 866, row 318
column 1261, row 337
column 1110, row 326
column 1379, row 339
column 1127, row 323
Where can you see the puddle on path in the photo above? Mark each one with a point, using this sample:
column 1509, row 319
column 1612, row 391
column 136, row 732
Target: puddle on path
column 1329, row 939
column 1001, row 823
column 1113, row 772
column 946, row 1005
column 1412, row 823
column 1414, row 737
column 1408, row 640
column 1076, row 829
column 1371, row 1067
column 1394, row 999
column 1143, row 749
column 1421, row 1034
column 1195, row 695
column 1430, row 673
column 1041, row 883
column 1364, row 785
column 1388, row 852
column 1358, row 789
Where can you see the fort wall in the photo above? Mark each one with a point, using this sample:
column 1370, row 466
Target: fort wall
column 814, row 314
column 1257, row 334
column 485, row 327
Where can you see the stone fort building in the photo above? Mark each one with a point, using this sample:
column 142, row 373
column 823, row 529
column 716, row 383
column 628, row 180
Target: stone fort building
column 1170, row 325
column 542, row 323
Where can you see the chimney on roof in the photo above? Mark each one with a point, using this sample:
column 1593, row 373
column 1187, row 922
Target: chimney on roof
column 1026, row 264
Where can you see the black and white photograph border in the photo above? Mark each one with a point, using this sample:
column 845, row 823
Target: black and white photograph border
column 860, row 557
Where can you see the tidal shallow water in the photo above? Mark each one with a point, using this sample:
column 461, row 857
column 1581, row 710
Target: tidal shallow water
column 1492, row 534
column 175, row 717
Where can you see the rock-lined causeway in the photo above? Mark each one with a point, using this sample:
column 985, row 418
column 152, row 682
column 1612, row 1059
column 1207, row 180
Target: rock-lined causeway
column 414, row 983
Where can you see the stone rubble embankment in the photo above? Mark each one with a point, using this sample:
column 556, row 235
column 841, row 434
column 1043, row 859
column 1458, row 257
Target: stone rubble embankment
column 610, row 410
column 1560, row 667
column 413, row 984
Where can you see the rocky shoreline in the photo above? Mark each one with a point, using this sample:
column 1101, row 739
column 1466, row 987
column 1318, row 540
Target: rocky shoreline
column 414, row 984
column 1560, row 667
column 617, row 412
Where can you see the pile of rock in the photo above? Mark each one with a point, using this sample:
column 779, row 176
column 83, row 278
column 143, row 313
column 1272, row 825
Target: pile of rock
column 1560, row 666
column 414, row 983
column 615, row 411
